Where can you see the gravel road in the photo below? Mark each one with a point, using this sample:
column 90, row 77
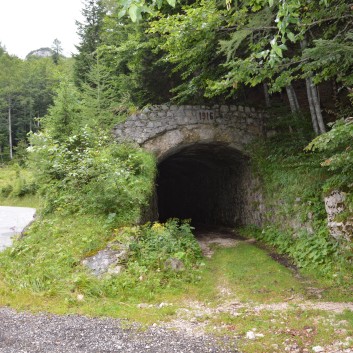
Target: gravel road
column 43, row 333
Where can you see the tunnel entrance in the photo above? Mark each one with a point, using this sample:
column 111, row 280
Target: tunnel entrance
column 204, row 183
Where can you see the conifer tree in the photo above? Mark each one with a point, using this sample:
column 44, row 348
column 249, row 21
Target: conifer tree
column 89, row 33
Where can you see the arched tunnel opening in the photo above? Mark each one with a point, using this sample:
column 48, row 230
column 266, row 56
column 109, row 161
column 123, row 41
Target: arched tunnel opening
column 204, row 183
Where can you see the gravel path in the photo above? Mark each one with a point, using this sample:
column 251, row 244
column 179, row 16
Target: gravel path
column 43, row 333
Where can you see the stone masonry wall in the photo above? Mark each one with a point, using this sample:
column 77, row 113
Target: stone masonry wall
column 242, row 123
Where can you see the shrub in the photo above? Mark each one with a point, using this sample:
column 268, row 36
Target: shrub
column 6, row 190
column 156, row 243
column 90, row 173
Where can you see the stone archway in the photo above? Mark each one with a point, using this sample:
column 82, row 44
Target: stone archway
column 203, row 170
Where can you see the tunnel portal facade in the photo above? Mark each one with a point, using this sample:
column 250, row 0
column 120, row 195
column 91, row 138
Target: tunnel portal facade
column 203, row 168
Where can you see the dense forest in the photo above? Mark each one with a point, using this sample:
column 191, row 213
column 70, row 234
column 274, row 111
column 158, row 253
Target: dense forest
column 265, row 53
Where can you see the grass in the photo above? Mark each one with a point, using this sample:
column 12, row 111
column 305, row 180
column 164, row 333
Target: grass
column 253, row 275
column 43, row 273
column 46, row 265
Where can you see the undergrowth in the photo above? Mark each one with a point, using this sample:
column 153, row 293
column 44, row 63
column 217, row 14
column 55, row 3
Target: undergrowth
column 294, row 185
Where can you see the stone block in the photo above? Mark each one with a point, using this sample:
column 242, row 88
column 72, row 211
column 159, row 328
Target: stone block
column 224, row 109
column 106, row 261
column 335, row 206
column 189, row 113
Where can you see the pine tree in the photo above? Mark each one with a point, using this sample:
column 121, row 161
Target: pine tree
column 89, row 33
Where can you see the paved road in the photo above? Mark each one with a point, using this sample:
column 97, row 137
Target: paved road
column 12, row 221
column 28, row 333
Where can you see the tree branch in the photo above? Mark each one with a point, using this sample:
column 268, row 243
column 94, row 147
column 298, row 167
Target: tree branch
column 312, row 24
column 250, row 29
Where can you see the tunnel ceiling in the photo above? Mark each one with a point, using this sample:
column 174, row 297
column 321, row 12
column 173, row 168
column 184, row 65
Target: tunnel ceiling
column 202, row 182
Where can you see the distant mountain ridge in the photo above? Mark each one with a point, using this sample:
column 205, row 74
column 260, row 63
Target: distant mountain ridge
column 42, row 53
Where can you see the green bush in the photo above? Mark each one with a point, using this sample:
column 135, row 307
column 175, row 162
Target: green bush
column 22, row 187
column 150, row 247
column 6, row 190
column 309, row 251
column 89, row 173
column 336, row 156
column 156, row 243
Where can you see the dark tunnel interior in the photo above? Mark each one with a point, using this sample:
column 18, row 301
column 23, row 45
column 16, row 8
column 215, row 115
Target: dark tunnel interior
column 202, row 182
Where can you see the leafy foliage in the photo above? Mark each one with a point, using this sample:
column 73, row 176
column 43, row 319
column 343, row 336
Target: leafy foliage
column 317, row 251
column 156, row 243
column 338, row 152
column 87, row 172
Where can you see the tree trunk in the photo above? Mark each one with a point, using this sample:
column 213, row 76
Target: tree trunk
column 291, row 99
column 311, row 106
column 295, row 99
column 10, row 130
column 267, row 96
column 316, row 102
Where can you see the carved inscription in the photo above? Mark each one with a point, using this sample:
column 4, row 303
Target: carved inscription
column 205, row 115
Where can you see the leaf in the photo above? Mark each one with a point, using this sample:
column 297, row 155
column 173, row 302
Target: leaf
column 270, row 2
column 122, row 13
column 134, row 13
column 291, row 37
column 171, row 2
column 277, row 50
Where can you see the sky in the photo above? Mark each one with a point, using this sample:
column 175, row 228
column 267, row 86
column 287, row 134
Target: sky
column 27, row 25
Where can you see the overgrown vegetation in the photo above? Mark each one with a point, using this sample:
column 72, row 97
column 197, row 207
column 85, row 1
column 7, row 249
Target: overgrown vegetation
column 294, row 183
column 89, row 173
